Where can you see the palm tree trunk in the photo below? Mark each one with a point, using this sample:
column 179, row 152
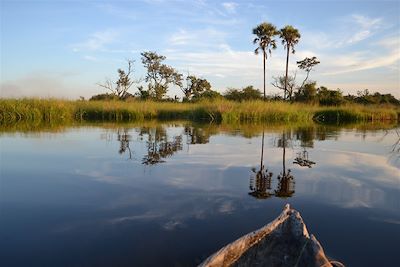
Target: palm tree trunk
column 264, row 72
column 284, row 154
column 262, row 151
column 286, row 77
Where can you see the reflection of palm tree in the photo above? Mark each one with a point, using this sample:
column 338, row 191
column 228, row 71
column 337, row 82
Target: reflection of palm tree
column 260, row 182
column 285, row 185
column 285, row 179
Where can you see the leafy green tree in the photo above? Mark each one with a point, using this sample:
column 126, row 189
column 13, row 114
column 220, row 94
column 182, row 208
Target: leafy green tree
column 307, row 65
column 233, row 94
column 244, row 94
column 307, row 93
column 209, row 94
column 195, row 87
column 142, row 93
column 120, row 87
column 160, row 76
column 105, row 96
column 329, row 97
column 265, row 33
column 250, row 93
column 290, row 37
column 365, row 97
column 386, row 99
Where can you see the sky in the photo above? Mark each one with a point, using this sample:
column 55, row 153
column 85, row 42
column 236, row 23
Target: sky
column 65, row 48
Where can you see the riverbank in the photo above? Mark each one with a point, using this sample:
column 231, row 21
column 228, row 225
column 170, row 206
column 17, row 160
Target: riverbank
column 55, row 110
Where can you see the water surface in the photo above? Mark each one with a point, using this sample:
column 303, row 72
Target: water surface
column 170, row 194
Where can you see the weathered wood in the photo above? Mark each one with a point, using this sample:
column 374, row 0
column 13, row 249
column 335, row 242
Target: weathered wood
column 283, row 242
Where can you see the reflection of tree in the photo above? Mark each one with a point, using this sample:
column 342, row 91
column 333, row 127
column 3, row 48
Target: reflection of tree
column 302, row 159
column 395, row 151
column 285, row 178
column 158, row 145
column 124, row 138
column 260, row 182
column 197, row 135
column 285, row 184
column 306, row 135
column 396, row 145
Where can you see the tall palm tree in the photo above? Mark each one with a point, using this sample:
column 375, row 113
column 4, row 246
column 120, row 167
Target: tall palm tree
column 265, row 33
column 290, row 37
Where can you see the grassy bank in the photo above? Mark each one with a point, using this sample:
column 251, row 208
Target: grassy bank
column 53, row 110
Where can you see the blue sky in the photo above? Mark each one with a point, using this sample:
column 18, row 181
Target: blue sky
column 63, row 48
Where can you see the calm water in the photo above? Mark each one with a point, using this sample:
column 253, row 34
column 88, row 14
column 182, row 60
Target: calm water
column 172, row 194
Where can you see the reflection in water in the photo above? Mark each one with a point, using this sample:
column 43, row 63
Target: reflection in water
column 260, row 181
column 285, row 178
column 306, row 137
column 196, row 135
column 285, row 185
column 42, row 202
column 158, row 145
column 124, row 138
column 396, row 145
column 302, row 159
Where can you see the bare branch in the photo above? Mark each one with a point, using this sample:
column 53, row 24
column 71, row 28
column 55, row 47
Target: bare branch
column 121, row 86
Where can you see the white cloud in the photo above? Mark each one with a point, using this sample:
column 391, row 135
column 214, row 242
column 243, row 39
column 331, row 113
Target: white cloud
column 367, row 27
column 96, row 41
column 359, row 36
column 180, row 38
column 388, row 56
column 230, row 7
column 367, row 22
column 350, row 31
column 195, row 38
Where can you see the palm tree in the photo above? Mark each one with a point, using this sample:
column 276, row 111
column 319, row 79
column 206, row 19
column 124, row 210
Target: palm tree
column 290, row 37
column 265, row 39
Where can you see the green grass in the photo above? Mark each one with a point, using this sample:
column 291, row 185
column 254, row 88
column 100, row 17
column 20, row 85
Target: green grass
column 61, row 111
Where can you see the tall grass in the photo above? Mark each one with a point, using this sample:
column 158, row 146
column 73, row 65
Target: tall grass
column 61, row 111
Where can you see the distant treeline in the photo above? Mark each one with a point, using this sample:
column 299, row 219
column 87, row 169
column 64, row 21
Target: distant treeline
column 310, row 94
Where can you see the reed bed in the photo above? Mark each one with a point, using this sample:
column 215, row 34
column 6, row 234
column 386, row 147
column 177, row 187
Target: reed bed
column 61, row 111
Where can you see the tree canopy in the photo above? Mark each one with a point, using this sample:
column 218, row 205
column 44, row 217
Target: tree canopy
column 195, row 87
column 160, row 76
